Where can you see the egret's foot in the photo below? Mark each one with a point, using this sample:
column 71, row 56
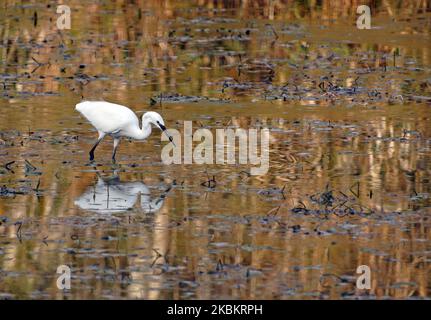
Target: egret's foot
column 115, row 166
column 114, row 163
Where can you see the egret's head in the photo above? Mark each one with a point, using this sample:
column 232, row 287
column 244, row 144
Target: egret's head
column 154, row 118
column 157, row 120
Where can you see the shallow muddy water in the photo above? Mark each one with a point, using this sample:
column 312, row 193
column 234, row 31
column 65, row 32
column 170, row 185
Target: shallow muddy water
column 349, row 178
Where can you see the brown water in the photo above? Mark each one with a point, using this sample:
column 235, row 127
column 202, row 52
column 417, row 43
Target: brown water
column 349, row 178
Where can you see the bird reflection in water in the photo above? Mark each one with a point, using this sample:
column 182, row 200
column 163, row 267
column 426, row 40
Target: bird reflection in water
column 110, row 195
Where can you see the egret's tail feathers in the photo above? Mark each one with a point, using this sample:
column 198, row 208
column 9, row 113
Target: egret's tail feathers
column 79, row 106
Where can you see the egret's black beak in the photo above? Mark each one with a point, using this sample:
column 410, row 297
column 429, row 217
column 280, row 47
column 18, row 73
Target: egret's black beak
column 163, row 128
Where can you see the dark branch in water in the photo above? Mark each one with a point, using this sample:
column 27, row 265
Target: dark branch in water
column 219, row 266
column 158, row 256
column 273, row 30
column 35, row 19
column 31, row 169
column 7, row 166
column 273, row 212
column 44, row 240
column 39, row 64
column 18, row 231
column 210, row 183
column 356, row 194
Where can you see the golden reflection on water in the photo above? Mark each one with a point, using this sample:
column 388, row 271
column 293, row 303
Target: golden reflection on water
column 240, row 239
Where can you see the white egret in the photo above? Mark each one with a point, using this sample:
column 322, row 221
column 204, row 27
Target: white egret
column 118, row 121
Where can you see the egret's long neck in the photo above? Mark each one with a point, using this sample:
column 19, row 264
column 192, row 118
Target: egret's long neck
column 144, row 132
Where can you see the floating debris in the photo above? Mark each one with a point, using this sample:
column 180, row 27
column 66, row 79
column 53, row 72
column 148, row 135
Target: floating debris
column 31, row 170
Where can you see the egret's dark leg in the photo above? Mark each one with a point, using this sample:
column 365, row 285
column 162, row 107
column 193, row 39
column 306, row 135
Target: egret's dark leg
column 116, row 143
column 101, row 136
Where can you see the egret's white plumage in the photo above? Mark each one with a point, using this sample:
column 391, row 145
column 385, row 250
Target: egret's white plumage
column 118, row 121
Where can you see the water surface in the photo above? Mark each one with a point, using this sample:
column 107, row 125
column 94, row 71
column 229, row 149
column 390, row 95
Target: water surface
column 349, row 178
